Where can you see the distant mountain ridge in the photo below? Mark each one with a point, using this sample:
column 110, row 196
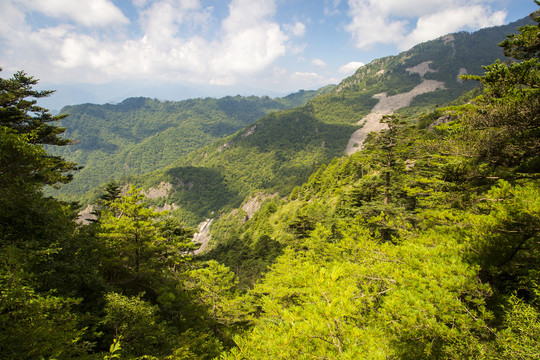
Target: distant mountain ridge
column 139, row 135
column 281, row 150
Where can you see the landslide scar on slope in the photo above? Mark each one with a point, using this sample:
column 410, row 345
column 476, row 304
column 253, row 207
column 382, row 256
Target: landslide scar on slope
column 388, row 104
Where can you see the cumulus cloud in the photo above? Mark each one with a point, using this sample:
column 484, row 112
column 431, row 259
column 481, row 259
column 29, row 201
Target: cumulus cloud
column 350, row 67
column 251, row 40
column 83, row 12
column 406, row 23
column 297, row 29
column 246, row 41
column 370, row 26
column 452, row 20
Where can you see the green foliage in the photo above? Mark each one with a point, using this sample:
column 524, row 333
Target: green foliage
column 345, row 296
column 422, row 246
column 505, row 238
column 519, row 339
column 19, row 112
column 114, row 350
column 215, row 287
column 280, row 150
column 525, row 45
column 139, row 243
column 34, row 325
column 138, row 324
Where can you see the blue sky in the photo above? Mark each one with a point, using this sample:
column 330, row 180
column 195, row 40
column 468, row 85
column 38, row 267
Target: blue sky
column 119, row 47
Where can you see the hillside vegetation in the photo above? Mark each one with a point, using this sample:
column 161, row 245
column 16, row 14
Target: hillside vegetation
column 423, row 245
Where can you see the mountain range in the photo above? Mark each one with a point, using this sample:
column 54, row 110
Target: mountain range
column 213, row 154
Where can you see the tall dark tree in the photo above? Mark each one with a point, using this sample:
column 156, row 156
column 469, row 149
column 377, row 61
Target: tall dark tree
column 19, row 112
column 35, row 321
column 25, row 166
column 504, row 124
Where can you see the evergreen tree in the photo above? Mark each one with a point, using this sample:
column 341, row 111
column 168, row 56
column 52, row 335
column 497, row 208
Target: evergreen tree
column 36, row 320
column 19, row 111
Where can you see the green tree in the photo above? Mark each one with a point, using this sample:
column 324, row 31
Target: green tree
column 19, row 112
column 34, row 324
column 502, row 126
column 525, row 45
column 346, row 296
column 38, row 319
column 139, row 325
column 214, row 285
column 131, row 233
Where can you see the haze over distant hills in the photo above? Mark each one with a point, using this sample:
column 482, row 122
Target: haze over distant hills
column 117, row 91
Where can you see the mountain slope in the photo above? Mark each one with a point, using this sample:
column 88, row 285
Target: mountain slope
column 422, row 246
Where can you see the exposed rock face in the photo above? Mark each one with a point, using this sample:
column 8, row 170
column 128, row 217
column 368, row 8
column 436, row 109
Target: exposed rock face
column 462, row 71
column 421, row 69
column 386, row 106
column 86, row 216
column 221, row 148
column 253, row 204
column 202, row 236
column 442, row 120
column 250, row 131
column 161, row 191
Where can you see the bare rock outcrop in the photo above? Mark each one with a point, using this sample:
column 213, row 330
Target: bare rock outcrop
column 388, row 104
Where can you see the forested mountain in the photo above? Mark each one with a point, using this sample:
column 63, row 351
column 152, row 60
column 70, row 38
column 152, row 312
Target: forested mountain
column 423, row 243
column 281, row 150
column 139, row 135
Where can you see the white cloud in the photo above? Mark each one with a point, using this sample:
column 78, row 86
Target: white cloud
column 412, row 8
column 251, row 40
column 298, row 29
column 318, row 62
column 392, row 21
column 331, row 7
column 161, row 22
column 370, row 26
column 245, row 42
column 452, row 20
column 350, row 67
column 296, row 49
column 248, row 14
column 84, row 12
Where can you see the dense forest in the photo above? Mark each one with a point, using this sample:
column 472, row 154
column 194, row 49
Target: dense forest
column 424, row 245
